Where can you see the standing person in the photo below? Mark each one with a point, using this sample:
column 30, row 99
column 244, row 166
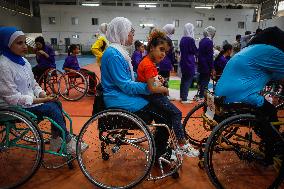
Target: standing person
column 147, row 73
column 18, row 86
column 137, row 54
column 245, row 39
column 71, row 64
column 205, row 60
column 120, row 90
column 101, row 44
column 45, row 57
column 166, row 64
column 187, row 63
column 221, row 61
column 237, row 45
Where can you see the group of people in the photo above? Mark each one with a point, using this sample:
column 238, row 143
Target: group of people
column 141, row 89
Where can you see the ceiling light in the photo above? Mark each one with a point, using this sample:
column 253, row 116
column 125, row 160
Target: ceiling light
column 147, row 25
column 203, row 7
column 88, row 4
column 147, row 6
column 147, row 3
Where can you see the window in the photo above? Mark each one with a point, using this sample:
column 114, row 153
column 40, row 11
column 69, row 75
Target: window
column 241, row 25
column 76, row 36
column 228, row 19
column 199, row 23
column 176, row 23
column 75, row 21
column 211, row 19
column 51, row 20
column 95, row 21
column 53, row 41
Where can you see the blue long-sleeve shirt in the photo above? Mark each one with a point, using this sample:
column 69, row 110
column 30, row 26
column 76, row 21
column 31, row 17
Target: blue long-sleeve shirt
column 247, row 73
column 119, row 90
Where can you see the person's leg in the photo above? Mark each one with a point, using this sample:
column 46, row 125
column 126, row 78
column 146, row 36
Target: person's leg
column 175, row 115
column 186, row 82
column 267, row 113
column 203, row 81
column 53, row 111
column 161, row 136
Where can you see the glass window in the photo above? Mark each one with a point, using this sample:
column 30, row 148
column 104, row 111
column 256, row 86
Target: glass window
column 52, row 20
column 75, row 21
column 199, row 23
column 95, row 21
column 241, row 25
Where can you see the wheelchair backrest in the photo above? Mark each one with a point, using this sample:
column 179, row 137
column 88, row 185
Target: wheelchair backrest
column 99, row 104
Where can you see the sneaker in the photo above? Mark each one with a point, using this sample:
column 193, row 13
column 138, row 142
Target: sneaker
column 55, row 144
column 188, row 150
column 185, row 102
column 71, row 146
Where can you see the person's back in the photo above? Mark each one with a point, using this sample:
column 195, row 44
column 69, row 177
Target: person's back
column 247, row 72
column 205, row 55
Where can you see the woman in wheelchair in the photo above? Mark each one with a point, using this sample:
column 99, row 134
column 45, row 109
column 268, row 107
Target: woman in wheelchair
column 247, row 73
column 71, row 64
column 119, row 85
column 18, row 86
column 44, row 57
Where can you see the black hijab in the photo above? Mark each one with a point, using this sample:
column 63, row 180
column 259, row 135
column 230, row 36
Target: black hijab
column 270, row 36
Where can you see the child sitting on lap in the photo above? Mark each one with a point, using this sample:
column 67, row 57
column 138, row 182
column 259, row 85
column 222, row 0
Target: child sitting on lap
column 147, row 73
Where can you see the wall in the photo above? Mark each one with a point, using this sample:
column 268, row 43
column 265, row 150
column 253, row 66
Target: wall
column 277, row 21
column 158, row 16
column 26, row 23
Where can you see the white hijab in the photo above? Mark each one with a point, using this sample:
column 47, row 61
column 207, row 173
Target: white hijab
column 117, row 34
column 169, row 29
column 188, row 30
column 209, row 32
column 103, row 28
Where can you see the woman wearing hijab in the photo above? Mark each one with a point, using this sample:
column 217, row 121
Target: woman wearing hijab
column 119, row 86
column 247, row 73
column 44, row 57
column 101, row 44
column 166, row 65
column 205, row 59
column 187, row 63
column 18, row 86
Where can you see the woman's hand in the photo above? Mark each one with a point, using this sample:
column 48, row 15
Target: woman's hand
column 42, row 94
column 41, row 52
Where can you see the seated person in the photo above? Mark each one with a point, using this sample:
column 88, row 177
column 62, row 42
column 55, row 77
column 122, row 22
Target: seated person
column 71, row 64
column 119, row 85
column 247, row 73
column 147, row 73
column 44, row 57
column 221, row 61
column 18, row 86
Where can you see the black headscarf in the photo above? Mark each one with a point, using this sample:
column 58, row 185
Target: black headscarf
column 270, row 36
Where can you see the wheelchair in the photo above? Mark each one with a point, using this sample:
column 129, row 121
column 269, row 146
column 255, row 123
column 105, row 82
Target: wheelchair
column 75, row 85
column 48, row 81
column 19, row 159
column 24, row 135
column 235, row 153
column 121, row 151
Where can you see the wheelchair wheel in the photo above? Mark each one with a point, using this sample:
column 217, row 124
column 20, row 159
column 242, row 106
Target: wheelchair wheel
column 49, row 81
column 19, row 159
column 73, row 86
column 237, row 160
column 196, row 129
column 112, row 159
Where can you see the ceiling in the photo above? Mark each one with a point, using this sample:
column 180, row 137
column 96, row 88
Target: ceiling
column 156, row 1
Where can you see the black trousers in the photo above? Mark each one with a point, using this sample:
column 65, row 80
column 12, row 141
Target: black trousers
column 150, row 113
